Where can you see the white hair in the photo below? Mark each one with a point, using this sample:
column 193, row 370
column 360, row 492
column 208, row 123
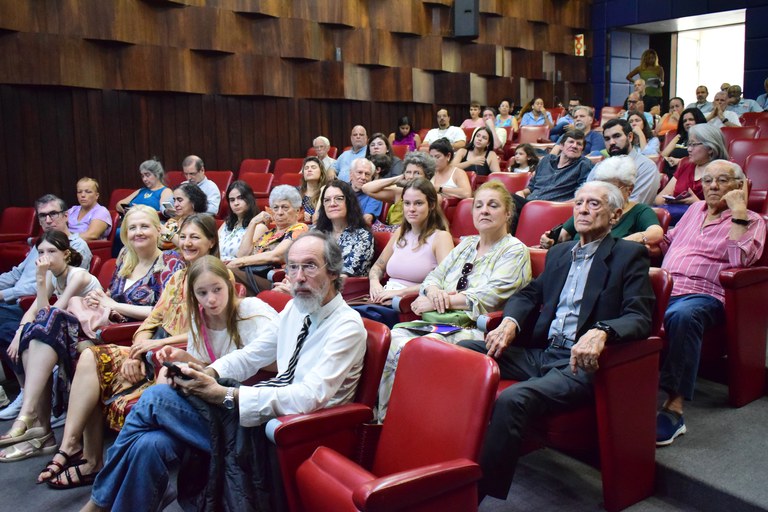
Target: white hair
column 322, row 139
column 621, row 168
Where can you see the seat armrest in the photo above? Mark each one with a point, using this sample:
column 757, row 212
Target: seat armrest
column 487, row 323
column 407, row 488
column 119, row 333
column 734, row 278
column 276, row 275
column 299, row 428
column 616, row 354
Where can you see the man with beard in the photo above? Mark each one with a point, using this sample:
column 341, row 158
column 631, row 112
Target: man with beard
column 318, row 343
column 701, row 102
column 619, row 140
column 454, row 134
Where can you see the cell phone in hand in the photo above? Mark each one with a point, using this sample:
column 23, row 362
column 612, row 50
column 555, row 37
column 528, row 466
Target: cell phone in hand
column 174, row 370
column 167, row 205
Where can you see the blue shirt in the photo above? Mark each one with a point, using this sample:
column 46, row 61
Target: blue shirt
column 344, row 162
column 553, row 184
column 529, row 120
column 369, row 204
column 745, row 106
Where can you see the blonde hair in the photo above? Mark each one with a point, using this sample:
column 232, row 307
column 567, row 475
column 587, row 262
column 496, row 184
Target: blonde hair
column 216, row 267
column 130, row 258
column 92, row 180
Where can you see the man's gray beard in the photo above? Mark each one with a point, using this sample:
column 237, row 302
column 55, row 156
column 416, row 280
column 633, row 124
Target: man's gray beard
column 579, row 126
column 308, row 305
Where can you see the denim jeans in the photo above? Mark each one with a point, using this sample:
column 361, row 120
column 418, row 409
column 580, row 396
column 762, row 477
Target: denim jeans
column 686, row 319
column 10, row 317
column 157, row 431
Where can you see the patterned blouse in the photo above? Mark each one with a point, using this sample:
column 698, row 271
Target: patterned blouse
column 170, row 312
column 147, row 290
column 494, row 277
column 229, row 241
column 273, row 237
column 356, row 251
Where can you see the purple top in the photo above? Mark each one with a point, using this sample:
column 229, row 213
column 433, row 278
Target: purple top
column 408, row 140
column 98, row 212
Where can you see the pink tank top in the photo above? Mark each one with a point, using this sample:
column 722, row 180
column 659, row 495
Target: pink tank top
column 409, row 267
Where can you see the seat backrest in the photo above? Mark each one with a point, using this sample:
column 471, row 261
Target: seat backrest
column 472, row 177
column 752, row 118
column 738, row 132
column 261, row 183
column 380, row 241
column 757, row 170
column 661, row 281
column 740, row 149
column 115, row 225
column 439, row 409
column 377, row 346
column 664, row 218
column 253, row 165
column 532, row 134
column 538, row 260
column 762, row 126
column 468, row 132
column 18, row 219
column 287, row 166
column 106, row 272
column 277, row 300
column 538, row 217
column 332, row 151
column 95, row 266
column 174, row 178
column 608, row 113
column 461, row 222
column 117, row 195
column 671, row 134
column 288, row 178
column 222, row 179
column 513, row 181
column 399, row 150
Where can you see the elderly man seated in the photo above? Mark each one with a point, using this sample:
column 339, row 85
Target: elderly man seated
column 592, row 292
column 361, row 172
column 712, row 235
column 740, row 105
column 321, row 146
column 318, row 342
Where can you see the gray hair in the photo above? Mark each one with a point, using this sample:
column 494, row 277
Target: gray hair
column 285, row 193
column 423, row 160
column 155, row 167
column 371, row 167
column 621, row 168
column 192, row 159
column 612, row 193
column 738, row 173
column 50, row 198
column 590, row 110
column 712, row 138
column 322, row 139
column 334, row 263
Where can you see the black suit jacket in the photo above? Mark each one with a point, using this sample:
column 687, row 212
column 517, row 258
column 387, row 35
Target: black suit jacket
column 618, row 292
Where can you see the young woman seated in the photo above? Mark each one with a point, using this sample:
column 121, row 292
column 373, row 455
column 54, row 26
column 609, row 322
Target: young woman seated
column 242, row 208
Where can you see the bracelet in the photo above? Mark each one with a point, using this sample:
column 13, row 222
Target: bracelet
column 740, row 222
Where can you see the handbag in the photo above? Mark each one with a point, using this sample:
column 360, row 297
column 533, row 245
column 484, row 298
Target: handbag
column 457, row 318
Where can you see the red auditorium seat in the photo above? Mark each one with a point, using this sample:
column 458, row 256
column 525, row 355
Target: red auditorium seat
column 738, row 132
column 617, row 434
column 118, row 194
column 538, row 217
column 332, row 152
column 17, row 223
column 461, row 221
column 740, row 149
column 425, row 456
column 254, row 165
column 756, row 170
column 513, row 181
column 261, row 183
column 287, row 166
column 103, row 248
column 752, row 118
column 399, row 151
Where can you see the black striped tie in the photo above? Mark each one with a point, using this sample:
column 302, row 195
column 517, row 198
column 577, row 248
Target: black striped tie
column 287, row 376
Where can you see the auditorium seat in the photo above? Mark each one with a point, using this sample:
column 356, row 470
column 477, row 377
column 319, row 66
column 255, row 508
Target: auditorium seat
column 740, row 149
column 540, row 216
column 261, row 183
column 118, row 194
column 738, row 132
column 424, row 458
column 253, row 165
column 332, row 152
column 513, row 181
column 17, row 223
column 287, row 166
column 756, row 170
column 103, row 248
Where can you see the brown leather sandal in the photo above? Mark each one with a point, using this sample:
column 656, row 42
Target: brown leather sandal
column 54, row 467
column 82, row 480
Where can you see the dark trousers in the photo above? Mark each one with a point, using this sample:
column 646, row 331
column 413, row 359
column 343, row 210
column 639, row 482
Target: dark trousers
column 547, row 386
column 10, row 317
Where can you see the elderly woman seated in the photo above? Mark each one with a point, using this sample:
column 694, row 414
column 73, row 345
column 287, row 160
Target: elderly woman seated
column 88, row 218
column 476, row 277
column 263, row 247
column 638, row 221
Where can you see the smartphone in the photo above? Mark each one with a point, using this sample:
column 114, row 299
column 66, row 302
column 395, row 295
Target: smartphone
column 554, row 233
column 167, row 205
column 174, row 370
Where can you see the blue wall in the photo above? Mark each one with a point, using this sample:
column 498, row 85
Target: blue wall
column 608, row 15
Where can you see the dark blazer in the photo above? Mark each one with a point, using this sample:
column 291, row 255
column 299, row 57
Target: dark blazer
column 618, row 292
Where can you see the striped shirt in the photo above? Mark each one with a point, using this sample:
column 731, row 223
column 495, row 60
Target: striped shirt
column 695, row 254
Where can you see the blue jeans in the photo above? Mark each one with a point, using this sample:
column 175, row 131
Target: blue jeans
column 686, row 319
column 10, row 317
column 157, row 431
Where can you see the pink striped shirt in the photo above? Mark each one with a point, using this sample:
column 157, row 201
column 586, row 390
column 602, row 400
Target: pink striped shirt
column 695, row 255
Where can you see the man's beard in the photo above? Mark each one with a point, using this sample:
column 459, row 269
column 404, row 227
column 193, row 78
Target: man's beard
column 616, row 151
column 308, row 305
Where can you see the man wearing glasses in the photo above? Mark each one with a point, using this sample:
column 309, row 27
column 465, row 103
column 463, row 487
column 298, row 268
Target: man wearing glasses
column 635, row 102
column 593, row 291
column 318, row 342
column 21, row 281
column 714, row 234
column 194, row 172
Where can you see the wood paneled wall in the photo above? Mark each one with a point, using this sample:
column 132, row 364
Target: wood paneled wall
column 93, row 87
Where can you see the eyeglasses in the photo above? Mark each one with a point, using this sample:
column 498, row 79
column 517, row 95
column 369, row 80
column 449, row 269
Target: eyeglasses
column 309, row 269
column 281, row 208
column 53, row 215
column 721, row 180
column 335, row 199
column 189, row 174
column 694, row 144
column 463, row 281
column 632, row 101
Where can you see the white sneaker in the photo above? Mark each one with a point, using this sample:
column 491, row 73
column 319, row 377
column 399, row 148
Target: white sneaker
column 3, row 398
column 57, row 421
column 13, row 410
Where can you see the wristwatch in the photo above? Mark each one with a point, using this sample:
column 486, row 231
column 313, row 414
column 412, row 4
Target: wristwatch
column 607, row 329
column 740, row 222
column 229, row 399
